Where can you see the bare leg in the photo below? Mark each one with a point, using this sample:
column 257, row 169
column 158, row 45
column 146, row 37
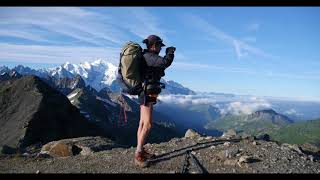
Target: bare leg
column 144, row 125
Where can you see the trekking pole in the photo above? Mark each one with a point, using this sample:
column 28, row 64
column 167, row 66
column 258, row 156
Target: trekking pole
column 145, row 93
column 185, row 163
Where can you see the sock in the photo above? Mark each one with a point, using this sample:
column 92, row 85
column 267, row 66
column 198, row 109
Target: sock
column 139, row 148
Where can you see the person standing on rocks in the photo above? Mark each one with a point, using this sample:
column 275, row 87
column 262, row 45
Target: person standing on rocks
column 153, row 71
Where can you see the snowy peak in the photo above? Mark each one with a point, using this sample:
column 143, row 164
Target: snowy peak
column 98, row 74
column 172, row 87
column 99, row 62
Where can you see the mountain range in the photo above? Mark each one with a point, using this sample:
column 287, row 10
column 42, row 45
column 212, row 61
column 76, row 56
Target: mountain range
column 98, row 74
column 93, row 89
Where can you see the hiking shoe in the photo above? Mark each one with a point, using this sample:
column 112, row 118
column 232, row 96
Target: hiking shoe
column 140, row 160
column 147, row 154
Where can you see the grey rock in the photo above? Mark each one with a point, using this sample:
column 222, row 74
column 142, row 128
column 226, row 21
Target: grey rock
column 229, row 134
column 191, row 134
column 222, row 154
column 311, row 158
column 74, row 146
column 208, row 138
column 292, row 147
column 232, row 152
column 246, row 159
column 230, row 162
column 255, row 143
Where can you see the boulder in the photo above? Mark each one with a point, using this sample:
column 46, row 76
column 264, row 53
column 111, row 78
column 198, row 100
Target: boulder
column 232, row 152
column 293, row 147
column 229, row 134
column 264, row 137
column 58, row 149
column 7, row 150
column 75, row 146
column 191, row 134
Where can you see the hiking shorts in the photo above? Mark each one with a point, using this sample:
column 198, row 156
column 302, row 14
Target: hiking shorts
column 142, row 98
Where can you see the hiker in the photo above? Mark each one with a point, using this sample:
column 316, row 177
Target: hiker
column 153, row 71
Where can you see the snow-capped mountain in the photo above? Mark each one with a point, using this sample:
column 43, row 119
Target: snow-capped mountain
column 175, row 88
column 4, row 69
column 98, row 74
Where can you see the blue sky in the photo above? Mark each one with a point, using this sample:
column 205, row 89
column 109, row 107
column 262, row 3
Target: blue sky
column 263, row 51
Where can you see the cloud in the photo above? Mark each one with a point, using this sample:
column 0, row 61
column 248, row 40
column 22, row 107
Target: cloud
column 292, row 112
column 305, row 75
column 57, row 54
column 238, row 49
column 23, row 35
column 246, row 107
column 234, row 105
column 89, row 34
column 73, row 22
column 241, row 48
column 250, row 39
column 143, row 23
column 253, row 27
column 186, row 99
column 196, row 66
column 95, row 28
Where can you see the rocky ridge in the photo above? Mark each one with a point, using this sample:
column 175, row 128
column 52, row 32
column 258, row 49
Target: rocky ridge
column 228, row 154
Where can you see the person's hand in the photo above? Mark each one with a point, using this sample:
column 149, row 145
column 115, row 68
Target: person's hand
column 170, row 50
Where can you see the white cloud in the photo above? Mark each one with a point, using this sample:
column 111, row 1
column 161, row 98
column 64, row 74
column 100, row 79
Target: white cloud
column 70, row 21
column 144, row 24
column 241, row 48
column 247, row 107
column 23, row 35
column 57, row 54
column 253, row 27
column 291, row 111
column 234, row 105
column 197, row 66
column 237, row 45
column 92, row 34
column 189, row 66
column 293, row 76
column 250, row 39
column 186, row 99
column 82, row 24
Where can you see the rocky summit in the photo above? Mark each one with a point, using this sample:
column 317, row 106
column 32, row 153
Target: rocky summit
column 190, row 154
column 32, row 112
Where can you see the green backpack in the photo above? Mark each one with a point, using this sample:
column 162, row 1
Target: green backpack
column 129, row 71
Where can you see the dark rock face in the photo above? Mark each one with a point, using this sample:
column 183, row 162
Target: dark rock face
column 32, row 112
column 9, row 74
column 271, row 115
column 264, row 137
column 65, row 85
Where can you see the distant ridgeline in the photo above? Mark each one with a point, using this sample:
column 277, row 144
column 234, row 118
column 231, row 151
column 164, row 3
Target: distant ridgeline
column 92, row 89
